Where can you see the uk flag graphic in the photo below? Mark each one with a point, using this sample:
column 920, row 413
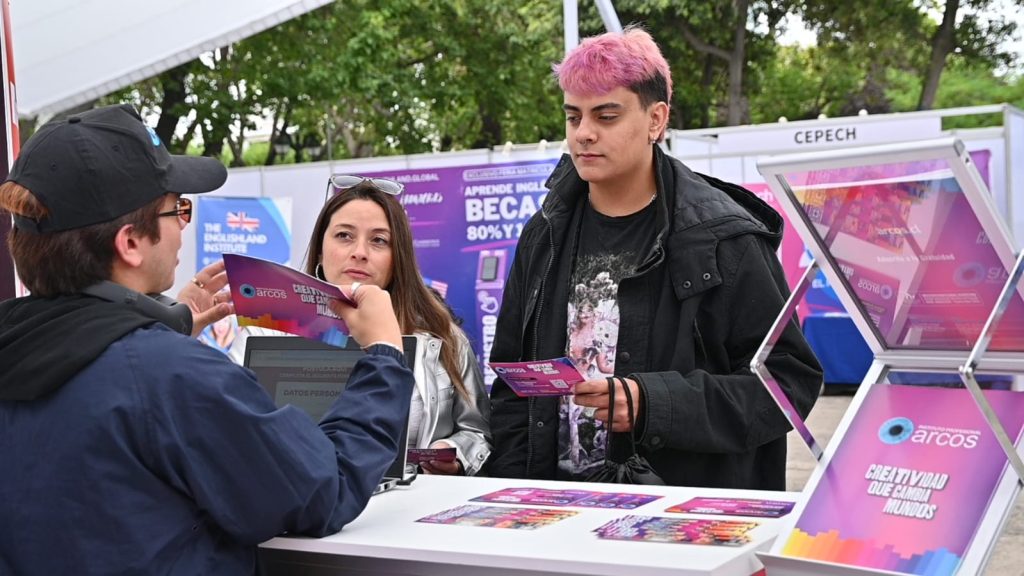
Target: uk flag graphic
column 238, row 220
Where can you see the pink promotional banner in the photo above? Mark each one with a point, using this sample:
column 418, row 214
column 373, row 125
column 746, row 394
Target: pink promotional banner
column 913, row 253
column 910, row 483
column 466, row 221
column 866, row 217
column 791, row 253
column 269, row 295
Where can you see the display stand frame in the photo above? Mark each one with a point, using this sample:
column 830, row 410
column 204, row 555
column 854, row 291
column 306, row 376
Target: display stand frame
column 965, row 361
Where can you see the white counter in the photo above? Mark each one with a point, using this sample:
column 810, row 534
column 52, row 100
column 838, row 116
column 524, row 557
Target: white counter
column 386, row 539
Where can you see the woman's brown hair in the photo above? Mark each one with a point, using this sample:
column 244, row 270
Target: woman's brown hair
column 416, row 308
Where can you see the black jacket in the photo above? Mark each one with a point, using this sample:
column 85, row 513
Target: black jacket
column 691, row 320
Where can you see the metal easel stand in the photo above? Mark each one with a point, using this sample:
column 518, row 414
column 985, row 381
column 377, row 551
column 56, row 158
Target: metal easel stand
column 758, row 367
column 980, row 347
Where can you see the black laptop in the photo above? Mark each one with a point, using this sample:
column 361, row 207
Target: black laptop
column 310, row 375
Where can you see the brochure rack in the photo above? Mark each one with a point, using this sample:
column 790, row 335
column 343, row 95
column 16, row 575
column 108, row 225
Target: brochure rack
column 918, row 479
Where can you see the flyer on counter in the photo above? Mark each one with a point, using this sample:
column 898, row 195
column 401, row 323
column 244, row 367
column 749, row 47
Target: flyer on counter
column 580, row 498
column 269, row 295
column 499, row 517
column 421, row 455
column 910, row 482
column 554, row 377
column 684, row 530
column 734, row 507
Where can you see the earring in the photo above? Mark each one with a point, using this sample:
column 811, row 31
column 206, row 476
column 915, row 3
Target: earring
column 654, row 141
column 320, row 271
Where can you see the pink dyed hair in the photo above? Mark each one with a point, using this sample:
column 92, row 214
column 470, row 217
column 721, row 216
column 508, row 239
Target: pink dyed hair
column 602, row 63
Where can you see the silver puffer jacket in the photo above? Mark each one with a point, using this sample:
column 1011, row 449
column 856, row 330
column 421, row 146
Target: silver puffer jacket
column 462, row 422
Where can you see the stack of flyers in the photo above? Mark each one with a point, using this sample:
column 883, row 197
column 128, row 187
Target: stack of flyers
column 421, row 455
column 581, row 498
column 269, row 295
column 554, row 377
column 498, row 517
column 735, row 507
column 688, row 530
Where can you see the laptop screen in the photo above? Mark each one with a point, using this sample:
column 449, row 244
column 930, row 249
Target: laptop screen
column 310, row 375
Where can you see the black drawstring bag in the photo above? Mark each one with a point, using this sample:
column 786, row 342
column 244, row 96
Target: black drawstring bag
column 636, row 469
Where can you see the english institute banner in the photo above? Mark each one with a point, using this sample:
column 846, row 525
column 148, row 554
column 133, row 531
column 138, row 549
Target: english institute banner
column 257, row 227
column 910, row 482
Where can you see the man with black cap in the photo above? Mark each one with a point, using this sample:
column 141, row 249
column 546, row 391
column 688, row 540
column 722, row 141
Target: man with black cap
column 127, row 446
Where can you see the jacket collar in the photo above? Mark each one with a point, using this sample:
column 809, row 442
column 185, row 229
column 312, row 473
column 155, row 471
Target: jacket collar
column 695, row 213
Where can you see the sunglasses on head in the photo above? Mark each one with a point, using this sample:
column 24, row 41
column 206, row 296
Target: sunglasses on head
column 182, row 209
column 342, row 182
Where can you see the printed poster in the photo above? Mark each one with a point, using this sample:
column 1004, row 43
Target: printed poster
column 499, row 517
column 910, row 482
column 580, row 498
column 257, row 227
column 466, row 222
column 820, row 298
column 678, row 530
column 734, row 507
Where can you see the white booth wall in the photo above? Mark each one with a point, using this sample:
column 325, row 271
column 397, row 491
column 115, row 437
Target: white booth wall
column 726, row 153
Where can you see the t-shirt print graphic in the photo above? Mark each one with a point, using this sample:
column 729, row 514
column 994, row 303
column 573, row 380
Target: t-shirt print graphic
column 592, row 336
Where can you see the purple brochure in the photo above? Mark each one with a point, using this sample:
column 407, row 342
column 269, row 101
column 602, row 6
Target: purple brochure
column 540, row 496
column 421, row 455
column 498, row 517
column 688, row 530
column 617, row 500
column 734, row 507
column 581, row 498
column 554, row 377
column 270, row 295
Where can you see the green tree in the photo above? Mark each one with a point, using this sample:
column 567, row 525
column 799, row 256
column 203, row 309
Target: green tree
column 974, row 29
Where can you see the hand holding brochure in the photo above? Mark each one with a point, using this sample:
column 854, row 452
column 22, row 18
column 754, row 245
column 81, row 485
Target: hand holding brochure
column 421, row 455
column 269, row 295
column 554, row 377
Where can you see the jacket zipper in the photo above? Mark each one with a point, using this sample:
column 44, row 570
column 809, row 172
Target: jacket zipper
column 536, row 334
column 700, row 342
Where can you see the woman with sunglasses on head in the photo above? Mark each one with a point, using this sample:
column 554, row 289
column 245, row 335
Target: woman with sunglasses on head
column 362, row 236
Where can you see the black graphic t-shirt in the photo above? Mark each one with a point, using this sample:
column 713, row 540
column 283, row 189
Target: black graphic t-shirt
column 609, row 249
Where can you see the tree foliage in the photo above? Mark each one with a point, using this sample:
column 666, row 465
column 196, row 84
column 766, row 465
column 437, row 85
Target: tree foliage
column 370, row 78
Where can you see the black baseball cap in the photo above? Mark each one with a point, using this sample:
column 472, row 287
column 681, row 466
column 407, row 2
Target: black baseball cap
column 99, row 165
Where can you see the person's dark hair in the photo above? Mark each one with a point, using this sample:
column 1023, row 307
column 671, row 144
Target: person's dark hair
column 64, row 263
column 416, row 308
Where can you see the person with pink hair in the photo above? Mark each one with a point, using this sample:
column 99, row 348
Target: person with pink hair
column 640, row 268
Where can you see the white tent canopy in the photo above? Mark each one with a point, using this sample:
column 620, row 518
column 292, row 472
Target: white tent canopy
column 67, row 52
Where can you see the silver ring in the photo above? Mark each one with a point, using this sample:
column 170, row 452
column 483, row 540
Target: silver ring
column 355, row 286
column 198, row 283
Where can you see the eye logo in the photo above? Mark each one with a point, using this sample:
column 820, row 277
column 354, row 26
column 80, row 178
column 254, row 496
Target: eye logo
column 248, row 291
column 896, row 430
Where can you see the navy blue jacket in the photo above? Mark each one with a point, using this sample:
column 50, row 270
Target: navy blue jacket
column 163, row 457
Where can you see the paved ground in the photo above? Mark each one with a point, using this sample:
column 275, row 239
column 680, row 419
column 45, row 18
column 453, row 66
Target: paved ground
column 1008, row 557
